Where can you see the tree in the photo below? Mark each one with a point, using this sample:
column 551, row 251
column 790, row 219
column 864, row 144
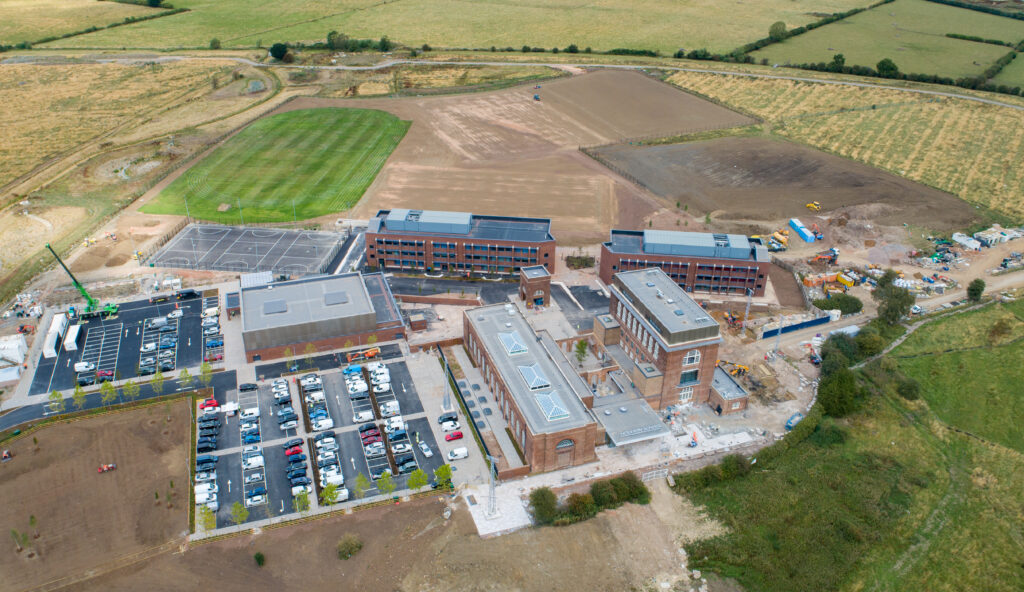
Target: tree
column 844, row 303
column 34, row 524
column 385, row 485
column 205, row 374
column 909, row 389
column 893, row 302
column 544, row 505
column 214, row 43
column 336, row 40
column 348, row 546
column 131, row 390
column 443, row 474
column 309, row 352
column 581, row 505
column 289, row 356
column 581, row 351
column 78, row 397
column 385, row 44
column 259, row 558
column 833, row 362
column 837, row 393
column 20, row 540
column 154, row 3
column 838, row 62
column 185, row 379
column 300, row 503
column 362, row 486
column 603, row 494
column 573, row 48
column 777, row 32
column 107, row 393
column 206, row 518
column 329, row 494
column 417, row 479
column 887, row 68
column 239, row 513
column 57, row 403
column 158, row 383
column 975, row 289
column 869, row 341
column 278, row 50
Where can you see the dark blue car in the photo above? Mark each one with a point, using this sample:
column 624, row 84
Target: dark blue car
column 215, row 343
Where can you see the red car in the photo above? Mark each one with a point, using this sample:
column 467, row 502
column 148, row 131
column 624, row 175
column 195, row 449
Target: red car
column 453, row 436
column 214, row 357
column 370, row 433
column 293, row 450
column 371, row 440
column 209, row 403
column 100, row 373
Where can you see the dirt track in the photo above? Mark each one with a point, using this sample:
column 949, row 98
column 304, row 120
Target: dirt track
column 86, row 519
column 504, row 153
column 764, row 179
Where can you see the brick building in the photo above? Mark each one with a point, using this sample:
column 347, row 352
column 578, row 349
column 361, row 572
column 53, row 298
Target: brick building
column 538, row 392
column 671, row 340
column 328, row 311
column 697, row 261
column 457, row 242
column 535, row 286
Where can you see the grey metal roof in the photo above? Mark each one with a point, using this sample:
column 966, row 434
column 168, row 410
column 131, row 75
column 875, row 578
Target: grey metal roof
column 553, row 407
column 686, row 244
column 627, row 421
column 673, row 314
column 535, row 271
column 726, row 386
column 382, row 299
column 607, row 321
column 302, row 301
column 251, row 280
column 440, row 223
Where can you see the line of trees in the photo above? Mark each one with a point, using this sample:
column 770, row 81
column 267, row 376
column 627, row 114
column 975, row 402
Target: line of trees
column 605, row 494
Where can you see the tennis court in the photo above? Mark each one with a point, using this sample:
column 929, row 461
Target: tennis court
column 244, row 250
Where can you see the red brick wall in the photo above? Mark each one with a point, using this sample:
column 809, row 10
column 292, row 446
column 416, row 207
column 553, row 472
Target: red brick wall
column 610, row 260
column 545, row 250
column 438, row 300
column 299, row 349
column 726, row 405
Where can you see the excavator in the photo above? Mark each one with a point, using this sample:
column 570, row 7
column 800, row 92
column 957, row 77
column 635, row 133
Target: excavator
column 814, row 206
column 733, row 368
column 830, row 256
column 93, row 308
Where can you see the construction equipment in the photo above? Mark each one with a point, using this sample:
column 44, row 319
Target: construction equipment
column 26, row 329
column 92, row 306
column 536, row 97
column 106, row 468
column 818, row 235
column 830, row 256
column 733, row 368
column 782, row 236
column 366, row 354
column 814, row 206
column 7, row 455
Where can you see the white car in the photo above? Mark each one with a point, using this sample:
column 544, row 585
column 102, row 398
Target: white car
column 285, row 410
column 288, row 425
column 280, row 382
column 425, row 448
column 248, row 425
column 256, row 477
column 450, row 426
column 362, row 416
column 175, row 314
column 256, row 500
column 325, row 442
column 252, row 448
column 401, row 448
column 250, row 413
column 210, row 321
column 322, row 424
column 379, row 378
column 213, row 505
column 206, row 488
column 301, row 489
column 321, row 457
column 148, row 347
column 204, row 498
column 379, row 389
column 206, row 477
column 254, row 462
column 374, row 366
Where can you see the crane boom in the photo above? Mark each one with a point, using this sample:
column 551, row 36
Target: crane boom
column 91, row 303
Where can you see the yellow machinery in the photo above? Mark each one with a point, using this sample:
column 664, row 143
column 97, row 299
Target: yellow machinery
column 814, row 206
column 733, row 368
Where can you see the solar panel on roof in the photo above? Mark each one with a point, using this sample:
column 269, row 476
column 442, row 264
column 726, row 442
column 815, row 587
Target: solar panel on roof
column 513, row 343
column 551, row 405
column 534, row 377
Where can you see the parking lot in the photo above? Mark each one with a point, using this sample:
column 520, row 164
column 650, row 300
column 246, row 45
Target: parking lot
column 113, row 344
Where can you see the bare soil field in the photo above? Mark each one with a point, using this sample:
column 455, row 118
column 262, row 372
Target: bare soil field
column 767, row 179
column 504, row 153
column 86, row 519
column 410, row 547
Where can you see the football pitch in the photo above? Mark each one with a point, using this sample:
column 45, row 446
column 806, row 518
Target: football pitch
column 296, row 165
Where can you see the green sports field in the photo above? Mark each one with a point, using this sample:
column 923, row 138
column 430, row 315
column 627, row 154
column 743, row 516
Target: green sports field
column 305, row 164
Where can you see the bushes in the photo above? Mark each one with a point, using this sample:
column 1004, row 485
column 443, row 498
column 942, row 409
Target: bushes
column 610, row 493
column 632, row 52
column 845, row 303
column 838, row 393
column 348, row 546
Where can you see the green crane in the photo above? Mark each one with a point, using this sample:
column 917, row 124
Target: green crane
column 92, row 306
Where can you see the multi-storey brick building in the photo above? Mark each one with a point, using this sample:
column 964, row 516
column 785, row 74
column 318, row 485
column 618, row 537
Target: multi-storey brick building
column 697, row 261
column 670, row 338
column 538, row 392
column 458, row 242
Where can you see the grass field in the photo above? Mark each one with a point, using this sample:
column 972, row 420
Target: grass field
column 911, row 33
column 663, row 25
column 318, row 161
column 968, row 149
column 970, row 372
column 29, row 20
column 1012, row 74
column 887, row 499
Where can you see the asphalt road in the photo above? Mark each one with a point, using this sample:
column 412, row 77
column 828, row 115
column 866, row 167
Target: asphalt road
column 322, row 362
column 491, row 292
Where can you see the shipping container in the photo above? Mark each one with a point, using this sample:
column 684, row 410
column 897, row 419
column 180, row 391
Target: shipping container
column 71, row 339
column 801, row 230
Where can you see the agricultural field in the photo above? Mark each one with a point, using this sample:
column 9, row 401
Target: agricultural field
column 909, row 32
column 968, row 149
column 969, row 369
column 1013, row 74
column 661, row 25
column 29, row 20
column 303, row 164
column 887, row 499
column 408, row 80
column 85, row 519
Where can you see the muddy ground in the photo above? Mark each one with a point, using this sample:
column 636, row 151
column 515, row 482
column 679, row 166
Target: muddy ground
column 85, row 518
column 770, row 180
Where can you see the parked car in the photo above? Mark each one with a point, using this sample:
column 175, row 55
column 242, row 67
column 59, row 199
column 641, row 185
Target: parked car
column 378, row 472
column 214, row 330
column 249, row 425
column 292, row 443
column 296, row 473
column 353, row 369
column 86, row 380
column 167, row 354
column 209, row 421
column 251, row 439
column 167, row 344
column 147, row 370
column 300, row 489
column 214, row 357
column 446, row 417
column 147, row 361
column 167, row 329
column 371, row 440
column 253, row 462
column 258, row 490
column 294, row 450
column 296, row 459
column 457, row 453
column 215, row 343
column 247, row 387
column 205, row 447
column 362, row 416
column 101, row 373
column 322, row 424
column 209, row 403
column 148, row 347
column 206, row 476
column 288, row 425
column 449, row 426
column 285, row 410
column 453, row 436
column 300, row 481
column 175, row 314
column 381, row 388
column 166, row 365
column 208, row 321
column 256, row 477
column 425, row 449
column 401, row 448
column 397, row 435
column 256, row 500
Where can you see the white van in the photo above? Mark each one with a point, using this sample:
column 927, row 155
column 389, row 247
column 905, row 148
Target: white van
column 205, row 498
column 211, row 312
column 84, row 366
column 206, row 488
column 461, row 452
column 332, row 479
column 250, row 413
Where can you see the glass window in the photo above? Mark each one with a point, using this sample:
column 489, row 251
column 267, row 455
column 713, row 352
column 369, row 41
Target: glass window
column 692, row 357
column 685, row 394
column 688, row 377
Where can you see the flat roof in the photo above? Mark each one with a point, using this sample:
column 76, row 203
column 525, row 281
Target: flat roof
column 535, row 271
column 627, row 421
column 383, row 301
column 461, row 224
column 726, row 386
column 607, row 321
column 674, row 315
column 539, row 377
column 306, row 300
column 686, row 244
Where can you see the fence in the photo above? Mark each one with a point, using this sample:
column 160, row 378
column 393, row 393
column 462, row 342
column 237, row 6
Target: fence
column 454, row 384
column 163, row 240
column 796, row 275
column 790, row 328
